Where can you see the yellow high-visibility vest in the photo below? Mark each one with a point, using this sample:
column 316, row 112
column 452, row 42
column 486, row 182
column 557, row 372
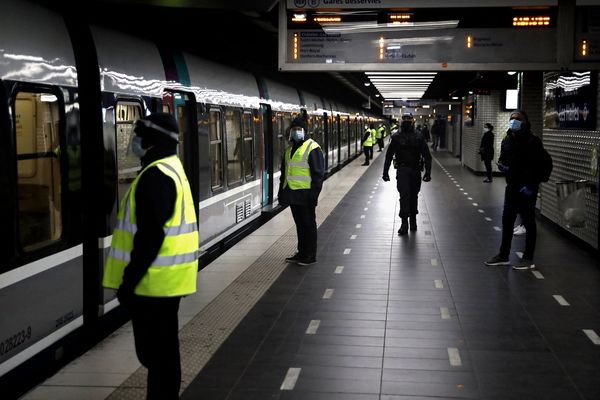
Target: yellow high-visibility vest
column 370, row 138
column 297, row 170
column 173, row 272
column 380, row 132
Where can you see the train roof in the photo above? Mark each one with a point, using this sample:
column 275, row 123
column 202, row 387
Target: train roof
column 219, row 84
column 128, row 65
column 35, row 45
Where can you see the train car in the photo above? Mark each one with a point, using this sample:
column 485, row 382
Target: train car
column 69, row 98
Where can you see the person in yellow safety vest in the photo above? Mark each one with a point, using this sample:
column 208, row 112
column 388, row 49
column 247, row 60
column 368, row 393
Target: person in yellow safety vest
column 153, row 259
column 379, row 136
column 302, row 173
column 368, row 140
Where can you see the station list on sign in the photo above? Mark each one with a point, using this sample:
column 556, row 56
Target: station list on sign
column 318, row 46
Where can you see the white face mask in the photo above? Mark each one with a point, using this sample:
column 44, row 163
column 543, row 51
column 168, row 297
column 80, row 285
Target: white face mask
column 297, row 134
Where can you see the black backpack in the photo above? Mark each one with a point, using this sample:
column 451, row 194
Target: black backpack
column 546, row 166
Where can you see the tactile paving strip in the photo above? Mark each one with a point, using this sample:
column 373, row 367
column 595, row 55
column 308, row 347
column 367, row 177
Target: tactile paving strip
column 201, row 337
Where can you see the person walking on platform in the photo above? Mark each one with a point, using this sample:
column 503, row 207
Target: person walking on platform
column 153, row 259
column 486, row 150
column 522, row 159
column 302, row 174
column 379, row 137
column 368, row 140
column 410, row 153
column 436, row 131
column 425, row 134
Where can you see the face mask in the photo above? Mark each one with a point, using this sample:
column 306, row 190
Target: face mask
column 136, row 147
column 515, row 125
column 297, row 134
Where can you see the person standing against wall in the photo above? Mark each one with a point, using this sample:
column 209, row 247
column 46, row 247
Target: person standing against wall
column 523, row 160
column 153, row 259
column 486, row 150
column 408, row 149
column 302, row 174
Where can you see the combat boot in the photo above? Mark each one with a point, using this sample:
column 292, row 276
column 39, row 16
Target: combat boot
column 404, row 227
column 413, row 222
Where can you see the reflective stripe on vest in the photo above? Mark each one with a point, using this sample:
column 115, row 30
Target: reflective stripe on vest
column 297, row 170
column 173, row 272
column 370, row 139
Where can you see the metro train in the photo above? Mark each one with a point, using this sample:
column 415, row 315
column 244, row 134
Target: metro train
column 69, row 97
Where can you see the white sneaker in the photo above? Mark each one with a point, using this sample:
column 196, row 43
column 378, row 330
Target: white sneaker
column 519, row 230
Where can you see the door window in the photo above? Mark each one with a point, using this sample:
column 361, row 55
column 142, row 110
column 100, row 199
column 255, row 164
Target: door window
column 37, row 137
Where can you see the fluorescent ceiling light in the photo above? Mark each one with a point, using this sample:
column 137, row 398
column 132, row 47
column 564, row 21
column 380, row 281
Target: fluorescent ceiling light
column 401, row 73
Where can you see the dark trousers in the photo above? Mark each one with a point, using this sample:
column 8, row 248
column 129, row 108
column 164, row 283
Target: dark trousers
column 408, row 183
column 380, row 143
column 488, row 168
column 156, row 333
column 368, row 153
column 517, row 203
column 436, row 142
column 306, row 228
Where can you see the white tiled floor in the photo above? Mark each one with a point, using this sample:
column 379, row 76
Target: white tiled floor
column 97, row 373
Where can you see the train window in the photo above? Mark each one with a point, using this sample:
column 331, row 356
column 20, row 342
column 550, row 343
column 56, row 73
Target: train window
column 128, row 164
column 248, row 137
column 216, row 149
column 37, row 125
column 233, row 131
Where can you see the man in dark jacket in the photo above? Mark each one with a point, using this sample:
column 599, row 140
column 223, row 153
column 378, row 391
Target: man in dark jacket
column 486, row 150
column 409, row 151
column 521, row 159
column 156, row 274
column 302, row 173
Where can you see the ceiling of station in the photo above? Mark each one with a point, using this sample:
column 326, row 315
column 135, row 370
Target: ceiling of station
column 244, row 33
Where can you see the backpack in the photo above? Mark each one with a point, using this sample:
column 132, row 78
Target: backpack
column 546, row 166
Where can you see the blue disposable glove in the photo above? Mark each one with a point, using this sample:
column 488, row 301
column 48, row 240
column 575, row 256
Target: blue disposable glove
column 502, row 167
column 526, row 191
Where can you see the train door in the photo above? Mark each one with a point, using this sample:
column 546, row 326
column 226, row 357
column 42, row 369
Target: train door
column 41, row 288
column 326, row 141
column 268, row 159
column 182, row 106
column 334, row 148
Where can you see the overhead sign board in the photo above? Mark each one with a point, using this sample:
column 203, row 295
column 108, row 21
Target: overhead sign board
column 391, row 4
column 428, row 40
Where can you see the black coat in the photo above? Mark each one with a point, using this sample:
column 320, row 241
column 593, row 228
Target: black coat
column 486, row 148
column 523, row 154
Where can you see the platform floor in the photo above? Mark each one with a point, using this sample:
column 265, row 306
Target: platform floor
column 380, row 316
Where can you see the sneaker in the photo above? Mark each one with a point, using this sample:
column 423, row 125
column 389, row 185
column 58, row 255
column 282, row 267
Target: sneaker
column 295, row 258
column 524, row 264
column 307, row 261
column 497, row 260
column 519, row 230
column 487, row 180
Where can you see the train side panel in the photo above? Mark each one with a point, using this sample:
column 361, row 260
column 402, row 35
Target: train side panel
column 41, row 292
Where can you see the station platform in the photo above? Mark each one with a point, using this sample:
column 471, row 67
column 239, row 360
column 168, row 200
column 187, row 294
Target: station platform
column 379, row 316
